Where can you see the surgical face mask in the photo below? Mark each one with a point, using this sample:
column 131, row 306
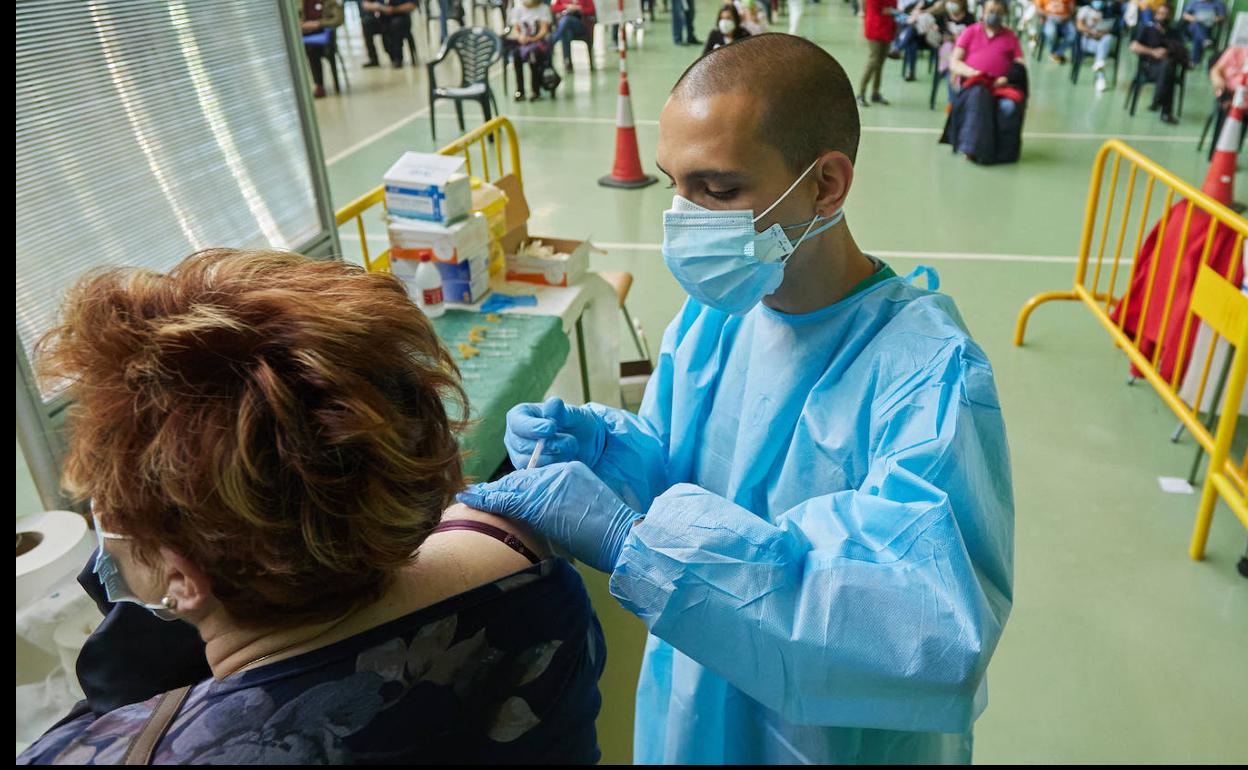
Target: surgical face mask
column 727, row 26
column 722, row 261
column 953, row 8
column 993, row 19
column 115, row 586
column 1098, row 5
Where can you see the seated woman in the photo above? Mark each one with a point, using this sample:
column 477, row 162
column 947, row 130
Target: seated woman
column 576, row 22
column 986, row 122
column 727, row 30
column 917, row 29
column 317, row 20
column 528, row 41
column 1097, row 23
column 264, row 442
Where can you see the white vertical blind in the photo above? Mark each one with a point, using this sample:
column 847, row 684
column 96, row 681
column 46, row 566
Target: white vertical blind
column 148, row 129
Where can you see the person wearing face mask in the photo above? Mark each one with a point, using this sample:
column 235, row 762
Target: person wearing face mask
column 528, row 42
column 268, row 444
column 812, row 512
column 1162, row 58
column 986, row 119
column 1097, row 23
column 727, row 30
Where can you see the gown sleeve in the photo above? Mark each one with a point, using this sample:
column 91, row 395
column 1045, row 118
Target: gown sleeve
column 875, row 607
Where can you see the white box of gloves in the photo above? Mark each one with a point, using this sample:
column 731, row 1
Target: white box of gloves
column 428, row 186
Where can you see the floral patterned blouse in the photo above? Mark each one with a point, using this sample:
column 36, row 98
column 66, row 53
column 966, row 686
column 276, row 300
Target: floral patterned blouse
column 507, row 672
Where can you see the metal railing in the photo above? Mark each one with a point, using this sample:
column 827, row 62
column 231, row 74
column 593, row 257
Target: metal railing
column 1215, row 299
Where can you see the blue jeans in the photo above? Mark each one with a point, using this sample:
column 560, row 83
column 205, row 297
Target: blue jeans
column 682, row 17
column 570, row 27
column 1053, row 28
column 1101, row 48
column 1199, row 34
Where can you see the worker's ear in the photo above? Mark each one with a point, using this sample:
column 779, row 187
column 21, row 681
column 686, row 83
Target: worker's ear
column 834, row 175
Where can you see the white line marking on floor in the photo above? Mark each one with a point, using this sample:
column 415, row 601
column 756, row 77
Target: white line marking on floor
column 968, row 256
column 884, row 129
column 387, row 131
column 935, row 256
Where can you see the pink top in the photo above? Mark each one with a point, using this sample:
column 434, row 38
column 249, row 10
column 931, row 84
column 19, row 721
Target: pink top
column 990, row 55
column 1233, row 67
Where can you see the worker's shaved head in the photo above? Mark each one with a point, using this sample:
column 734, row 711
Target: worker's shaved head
column 807, row 102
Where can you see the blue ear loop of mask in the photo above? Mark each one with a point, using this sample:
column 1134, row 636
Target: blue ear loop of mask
column 115, row 586
column 722, row 261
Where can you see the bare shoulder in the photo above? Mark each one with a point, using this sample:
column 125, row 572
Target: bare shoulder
column 477, row 558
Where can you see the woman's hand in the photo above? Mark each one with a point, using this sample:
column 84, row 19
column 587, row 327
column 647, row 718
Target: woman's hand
column 1000, row 82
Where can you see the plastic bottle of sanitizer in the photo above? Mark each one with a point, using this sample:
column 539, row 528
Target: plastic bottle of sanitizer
column 428, row 285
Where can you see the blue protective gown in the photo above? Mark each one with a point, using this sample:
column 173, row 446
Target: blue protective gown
column 826, row 561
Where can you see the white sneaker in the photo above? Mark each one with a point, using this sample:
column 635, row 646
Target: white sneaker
column 1101, row 84
column 1098, row 66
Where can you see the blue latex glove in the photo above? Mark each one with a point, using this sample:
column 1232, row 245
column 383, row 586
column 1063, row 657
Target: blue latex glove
column 567, row 503
column 570, row 432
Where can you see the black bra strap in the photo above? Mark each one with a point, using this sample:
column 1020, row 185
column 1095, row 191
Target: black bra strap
column 502, row 536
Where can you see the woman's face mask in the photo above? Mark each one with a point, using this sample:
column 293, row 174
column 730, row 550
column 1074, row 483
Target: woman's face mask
column 993, row 19
column 727, row 26
column 953, row 8
column 722, row 261
column 109, row 572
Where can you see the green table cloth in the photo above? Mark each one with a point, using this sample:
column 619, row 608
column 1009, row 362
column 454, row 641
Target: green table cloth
column 519, row 360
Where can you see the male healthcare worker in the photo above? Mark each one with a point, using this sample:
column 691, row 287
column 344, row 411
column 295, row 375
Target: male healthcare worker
column 812, row 513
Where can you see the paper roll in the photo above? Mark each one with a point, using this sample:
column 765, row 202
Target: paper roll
column 50, row 545
column 70, row 636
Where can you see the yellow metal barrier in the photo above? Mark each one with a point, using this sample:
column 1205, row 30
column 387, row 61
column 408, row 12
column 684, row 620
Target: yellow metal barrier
column 1215, row 301
column 494, row 133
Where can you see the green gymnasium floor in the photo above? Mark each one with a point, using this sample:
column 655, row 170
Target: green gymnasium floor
column 1119, row 648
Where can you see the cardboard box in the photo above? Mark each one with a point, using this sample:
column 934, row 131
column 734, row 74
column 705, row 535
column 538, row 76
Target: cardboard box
column 428, row 186
column 563, row 271
column 466, row 292
column 410, row 238
column 466, row 270
column 531, row 270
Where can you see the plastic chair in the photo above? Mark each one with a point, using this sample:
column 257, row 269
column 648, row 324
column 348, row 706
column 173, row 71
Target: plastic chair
column 336, row 61
column 1139, row 81
column 588, row 39
column 485, row 6
column 478, row 49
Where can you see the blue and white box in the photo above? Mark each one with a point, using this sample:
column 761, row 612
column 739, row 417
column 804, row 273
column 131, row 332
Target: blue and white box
column 429, row 187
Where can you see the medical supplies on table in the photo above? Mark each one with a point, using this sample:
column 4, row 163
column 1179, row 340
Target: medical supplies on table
column 540, row 260
column 491, row 202
column 429, row 187
column 460, row 252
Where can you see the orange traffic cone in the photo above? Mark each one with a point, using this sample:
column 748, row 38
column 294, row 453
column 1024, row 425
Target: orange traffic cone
column 1218, row 182
column 627, row 171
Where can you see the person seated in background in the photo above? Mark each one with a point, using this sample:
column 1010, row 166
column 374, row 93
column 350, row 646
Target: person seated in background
column 917, row 29
column 986, row 121
column 1059, row 26
column 1163, row 57
column 1199, row 19
column 727, row 30
column 752, row 20
column 528, row 42
column 1227, row 75
column 396, row 27
column 575, row 21
column 267, row 449
column 372, row 24
column 1097, row 23
column 317, row 19
column 952, row 18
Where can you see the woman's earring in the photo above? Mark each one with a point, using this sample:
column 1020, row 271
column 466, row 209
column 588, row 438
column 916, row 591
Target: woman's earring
column 169, row 603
